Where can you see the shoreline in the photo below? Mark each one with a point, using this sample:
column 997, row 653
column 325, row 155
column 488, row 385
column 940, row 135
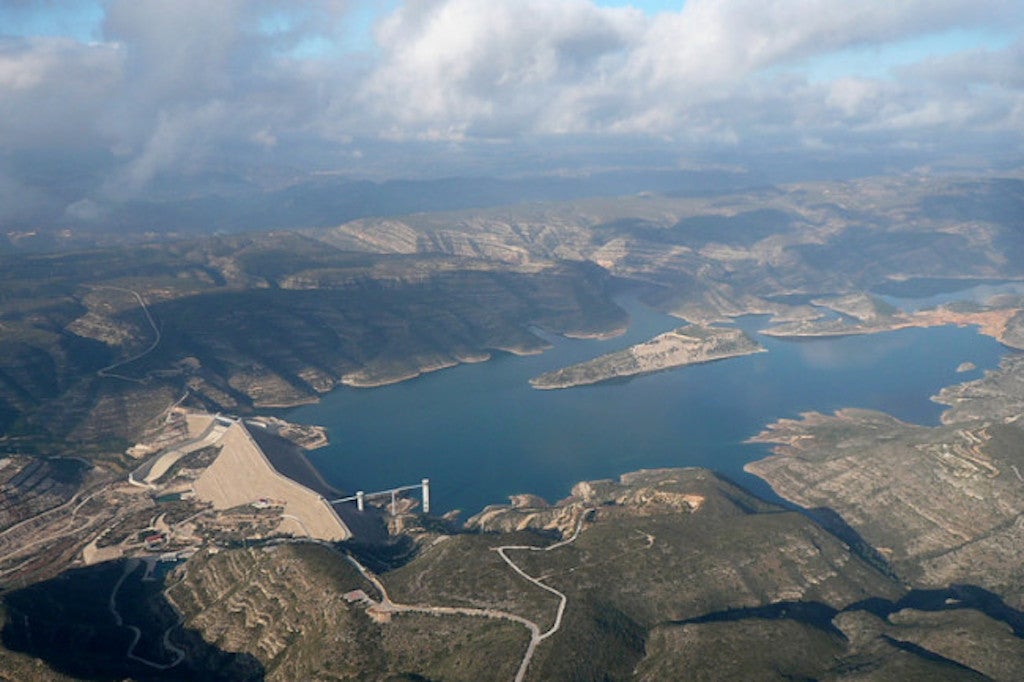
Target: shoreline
column 666, row 368
column 597, row 336
column 681, row 347
column 990, row 323
column 352, row 381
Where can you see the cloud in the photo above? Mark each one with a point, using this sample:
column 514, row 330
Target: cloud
column 179, row 87
column 504, row 68
column 496, row 68
column 180, row 138
column 85, row 210
column 972, row 91
column 52, row 88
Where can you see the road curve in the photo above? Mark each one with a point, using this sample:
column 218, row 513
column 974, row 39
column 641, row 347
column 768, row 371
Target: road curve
column 536, row 637
column 179, row 653
column 106, row 371
column 386, row 605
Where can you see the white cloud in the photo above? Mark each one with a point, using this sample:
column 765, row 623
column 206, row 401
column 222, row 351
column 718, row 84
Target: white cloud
column 854, row 97
column 506, row 68
column 173, row 85
column 52, row 88
column 85, row 210
column 180, row 139
column 495, row 68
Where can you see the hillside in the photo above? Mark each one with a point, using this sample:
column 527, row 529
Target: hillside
column 96, row 343
column 942, row 504
column 662, row 572
column 903, row 561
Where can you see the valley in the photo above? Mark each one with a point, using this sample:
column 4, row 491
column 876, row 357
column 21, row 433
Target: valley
column 895, row 553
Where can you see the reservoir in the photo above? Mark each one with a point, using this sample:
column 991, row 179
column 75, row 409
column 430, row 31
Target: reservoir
column 481, row 433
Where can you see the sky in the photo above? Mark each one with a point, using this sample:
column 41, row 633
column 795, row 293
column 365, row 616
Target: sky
column 106, row 100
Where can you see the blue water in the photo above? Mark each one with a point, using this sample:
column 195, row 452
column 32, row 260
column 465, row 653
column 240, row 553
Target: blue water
column 481, row 433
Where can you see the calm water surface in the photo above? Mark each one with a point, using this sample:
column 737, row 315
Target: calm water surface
column 480, row 433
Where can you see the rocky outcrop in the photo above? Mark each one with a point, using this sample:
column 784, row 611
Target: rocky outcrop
column 999, row 395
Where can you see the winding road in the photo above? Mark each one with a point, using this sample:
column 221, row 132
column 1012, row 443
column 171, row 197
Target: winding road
column 39, row 527
column 536, row 637
column 107, row 371
column 386, row 605
column 176, row 651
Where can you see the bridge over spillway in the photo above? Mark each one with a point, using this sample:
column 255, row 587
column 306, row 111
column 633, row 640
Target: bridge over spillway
column 361, row 496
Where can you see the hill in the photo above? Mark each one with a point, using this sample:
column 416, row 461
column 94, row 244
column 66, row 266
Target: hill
column 658, row 573
column 96, row 343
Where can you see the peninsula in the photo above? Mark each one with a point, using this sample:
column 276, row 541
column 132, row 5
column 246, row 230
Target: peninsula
column 861, row 313
column 687, row 345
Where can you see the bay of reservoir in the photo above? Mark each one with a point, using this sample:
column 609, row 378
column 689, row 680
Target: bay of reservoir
column 481, row 433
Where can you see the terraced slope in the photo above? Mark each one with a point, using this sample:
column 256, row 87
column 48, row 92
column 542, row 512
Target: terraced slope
column 944, row 504
column 671, row 571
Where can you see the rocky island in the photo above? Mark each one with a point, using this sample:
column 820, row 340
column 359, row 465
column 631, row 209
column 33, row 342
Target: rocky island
column 687, row 345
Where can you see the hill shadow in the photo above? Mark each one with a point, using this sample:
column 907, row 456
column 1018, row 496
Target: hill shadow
column 71, row 624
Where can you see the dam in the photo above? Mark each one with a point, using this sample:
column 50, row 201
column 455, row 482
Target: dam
column 243, row 473
column 255, row 466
